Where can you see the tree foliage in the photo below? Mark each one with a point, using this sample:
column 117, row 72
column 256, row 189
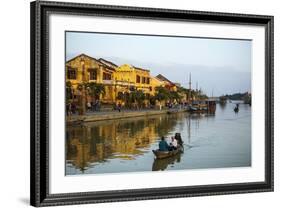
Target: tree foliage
column 68, row 91
column 95, row 89
column 162, row 94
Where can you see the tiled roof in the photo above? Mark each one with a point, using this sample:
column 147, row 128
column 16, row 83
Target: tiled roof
column 141, row 69
column 162, row 78
column 96, row 60
column 108, row 63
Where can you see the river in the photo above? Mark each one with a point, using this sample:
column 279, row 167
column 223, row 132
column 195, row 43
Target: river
column 125, row 145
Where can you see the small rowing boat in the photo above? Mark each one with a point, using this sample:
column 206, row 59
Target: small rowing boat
column 164, row 154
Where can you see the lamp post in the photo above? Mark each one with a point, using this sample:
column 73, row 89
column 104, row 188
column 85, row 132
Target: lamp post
column 189, row 94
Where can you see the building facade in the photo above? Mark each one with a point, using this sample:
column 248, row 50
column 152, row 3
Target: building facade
column 117, row 80
column 86, row 69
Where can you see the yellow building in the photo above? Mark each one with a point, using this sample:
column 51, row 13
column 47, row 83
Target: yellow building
column 116, row 79
column 155, row 82
column 129, row 78
column 167, row 83
column 84, row 68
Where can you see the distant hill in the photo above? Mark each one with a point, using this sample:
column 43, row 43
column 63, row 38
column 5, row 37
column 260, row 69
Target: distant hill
column 237, row 96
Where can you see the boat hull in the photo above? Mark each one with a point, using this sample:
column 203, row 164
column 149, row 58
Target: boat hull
column 165, row 154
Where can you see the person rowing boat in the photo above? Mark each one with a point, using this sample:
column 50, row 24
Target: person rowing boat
column 236, row 109
column 166, row 150
column 163, row 145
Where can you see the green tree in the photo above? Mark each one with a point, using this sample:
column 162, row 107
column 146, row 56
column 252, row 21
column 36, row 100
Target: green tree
column 68, row 91
column 140, row 97
column 162, row 94
column 152, row 100
column 82, row 98
column 95, row 90
column 137, row 97
column 174, row 95
column 127, row 99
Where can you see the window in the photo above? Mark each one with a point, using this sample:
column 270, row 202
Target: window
column 106, row 76
column 92, row 74
column 143, row 80
column 138, row 79
column 71, row 73
column 147, row 80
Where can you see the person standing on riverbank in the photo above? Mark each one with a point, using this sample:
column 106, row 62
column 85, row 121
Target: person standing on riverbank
column 119, row 107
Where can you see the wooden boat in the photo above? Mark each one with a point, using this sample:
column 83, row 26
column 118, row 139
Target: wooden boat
column 207, row 106
column 164, row 154
column 236, row 109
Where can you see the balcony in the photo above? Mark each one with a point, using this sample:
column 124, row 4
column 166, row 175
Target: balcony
column 124, row 83
column 108, row 82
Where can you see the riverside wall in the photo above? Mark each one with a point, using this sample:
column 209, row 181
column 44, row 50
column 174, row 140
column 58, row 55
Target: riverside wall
column 116, row 115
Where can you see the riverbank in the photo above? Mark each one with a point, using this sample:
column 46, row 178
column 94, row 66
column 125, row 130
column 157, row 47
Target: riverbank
column 101, row 116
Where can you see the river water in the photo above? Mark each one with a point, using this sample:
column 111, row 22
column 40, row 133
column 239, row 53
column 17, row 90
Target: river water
column 125, row 145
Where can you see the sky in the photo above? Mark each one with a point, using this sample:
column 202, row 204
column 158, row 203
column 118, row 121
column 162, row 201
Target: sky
column 218, row 66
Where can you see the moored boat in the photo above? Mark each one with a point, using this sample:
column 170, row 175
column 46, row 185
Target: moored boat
column 203, row 106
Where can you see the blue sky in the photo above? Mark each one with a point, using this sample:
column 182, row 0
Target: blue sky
column 218, row 65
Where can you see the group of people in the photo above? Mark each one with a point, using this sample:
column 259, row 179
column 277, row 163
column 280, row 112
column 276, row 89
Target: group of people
column 178, row 105
column 72, row 108
column 93, row 106
column 175, row 142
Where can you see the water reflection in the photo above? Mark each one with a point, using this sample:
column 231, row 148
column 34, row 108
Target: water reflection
column 124, row 139
column 221, row 140
column 162, row 164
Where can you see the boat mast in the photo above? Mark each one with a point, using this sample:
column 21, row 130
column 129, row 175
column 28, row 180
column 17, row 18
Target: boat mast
column 189, row 96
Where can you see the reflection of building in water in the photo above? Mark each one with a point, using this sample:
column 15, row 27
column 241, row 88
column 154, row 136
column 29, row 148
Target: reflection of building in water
column 125, row 139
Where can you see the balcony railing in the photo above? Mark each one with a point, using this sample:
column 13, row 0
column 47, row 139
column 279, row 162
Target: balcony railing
column 123, row 83
column 107, row 82
column 126, row 83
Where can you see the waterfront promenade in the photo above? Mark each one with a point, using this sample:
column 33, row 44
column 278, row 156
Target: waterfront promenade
column 109, row 115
